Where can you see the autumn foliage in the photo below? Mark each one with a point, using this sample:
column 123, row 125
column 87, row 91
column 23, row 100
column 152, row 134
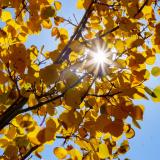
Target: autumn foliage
column 64, row 93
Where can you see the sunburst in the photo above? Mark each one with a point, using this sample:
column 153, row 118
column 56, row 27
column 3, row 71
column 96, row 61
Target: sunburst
column 99, row 58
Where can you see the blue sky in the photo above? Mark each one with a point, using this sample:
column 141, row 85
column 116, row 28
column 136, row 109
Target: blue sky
column 146, row 144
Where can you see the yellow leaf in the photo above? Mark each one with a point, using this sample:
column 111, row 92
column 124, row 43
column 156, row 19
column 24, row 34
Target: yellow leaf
column 5, row 16
column 150, row 60
column 57, row 5
column 130, row 133
column 119, row 46
column 157, row 93
column 109, row 23
column 55, row 32
column 80, row 4
column 147, row 11
column 83, row 144
column 18, row 57
column 32, row 100
column 73, row 56
column 60, row 152
column 11, row 132
column 32, row 136
column 63, row 34
column 33, row 52
column 155, row 71
column 103, row 151
column 47, row 24
column 75, row 154
column 50, row 1
column 126, row 25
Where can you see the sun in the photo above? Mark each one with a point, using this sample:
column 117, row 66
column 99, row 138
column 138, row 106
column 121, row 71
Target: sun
column 99, row 58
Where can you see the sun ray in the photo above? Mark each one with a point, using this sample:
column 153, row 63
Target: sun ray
column 99, row 58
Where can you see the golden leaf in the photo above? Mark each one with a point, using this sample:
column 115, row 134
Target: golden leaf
column 103, row 151
column 75, row 154
column 60, row 152
column 57, row 5
column 5, row 16
column 119, row 45
column 32, row 100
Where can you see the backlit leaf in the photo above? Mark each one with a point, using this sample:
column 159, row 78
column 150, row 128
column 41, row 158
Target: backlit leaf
column 155, row 71
column 157, row 93
column 103, row 151
column 57, row 5
column 60, row 152
column 5, row 16
column 49, row 74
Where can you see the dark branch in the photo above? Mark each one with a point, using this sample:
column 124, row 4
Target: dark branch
column 52, row 99
column 30, row 152
column 12, row 111
column 141, row 8
column 66, row 51
column 105, row 95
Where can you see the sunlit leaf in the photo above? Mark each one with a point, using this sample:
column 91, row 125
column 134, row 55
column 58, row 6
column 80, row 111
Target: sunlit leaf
column 155, row 71
column 57, row 5
column 5, row 16
column 157, row 93
column 60, row 152
column 103, row 151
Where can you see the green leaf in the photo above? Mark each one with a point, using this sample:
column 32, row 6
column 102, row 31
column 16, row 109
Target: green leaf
column 157, row 93
column 155, row 71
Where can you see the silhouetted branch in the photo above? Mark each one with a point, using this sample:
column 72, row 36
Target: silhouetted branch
column 65, row 52
column 52, row 99
column 30, row 152
column 141, row 8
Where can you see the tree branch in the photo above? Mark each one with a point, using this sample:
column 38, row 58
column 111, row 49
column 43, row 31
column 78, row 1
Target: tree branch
column 105, row 95
column 12, row 111
column 65, row 52
column 141, row 8
column 52, row 99
column 30, row 152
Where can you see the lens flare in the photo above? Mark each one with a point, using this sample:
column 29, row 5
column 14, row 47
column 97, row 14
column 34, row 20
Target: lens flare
column 100, row 58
